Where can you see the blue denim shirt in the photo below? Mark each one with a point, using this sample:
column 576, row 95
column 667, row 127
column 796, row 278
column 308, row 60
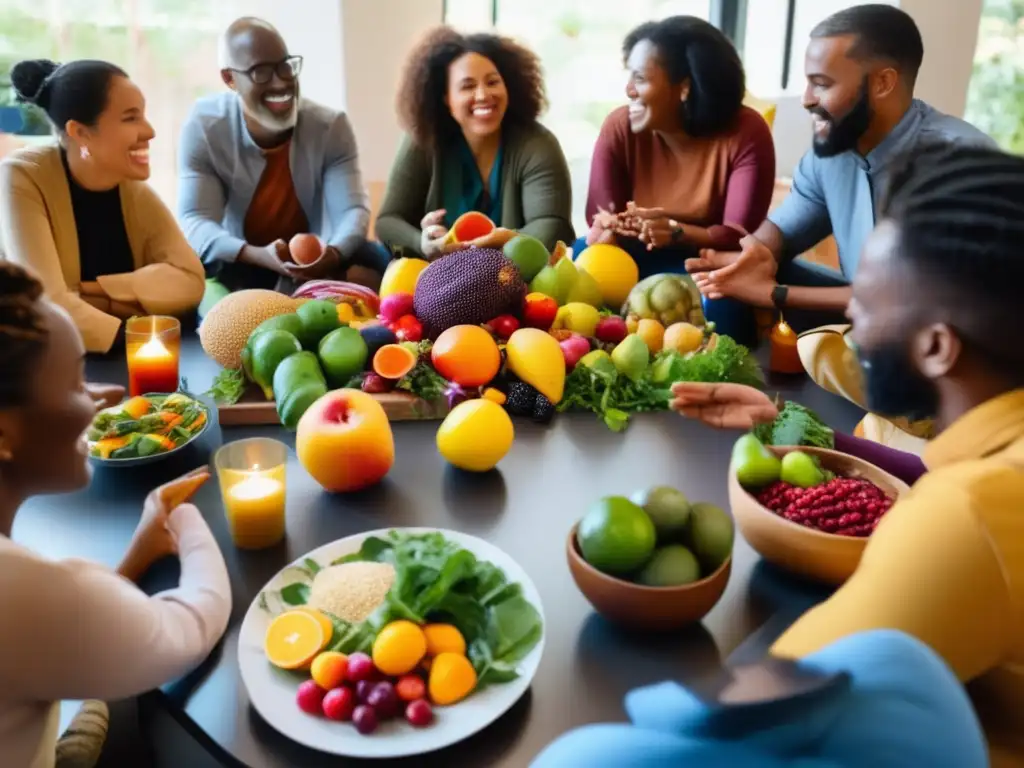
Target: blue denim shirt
column 837, row 195
column 219, row 167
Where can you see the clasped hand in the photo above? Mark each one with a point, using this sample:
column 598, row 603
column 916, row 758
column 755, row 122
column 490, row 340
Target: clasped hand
column 651, row 226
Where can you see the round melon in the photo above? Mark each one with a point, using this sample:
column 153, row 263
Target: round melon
column 467, row 287
column 227, row 326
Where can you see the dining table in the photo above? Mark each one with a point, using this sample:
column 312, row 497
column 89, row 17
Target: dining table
column 526, row 507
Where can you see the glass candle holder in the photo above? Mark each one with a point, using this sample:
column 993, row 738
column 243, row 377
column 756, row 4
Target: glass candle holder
column 785, row 356
column 252, row 480
column 153, row 347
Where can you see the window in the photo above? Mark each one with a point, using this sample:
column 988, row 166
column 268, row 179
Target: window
column 168, row 47
column 995, row 99
column 579, row 43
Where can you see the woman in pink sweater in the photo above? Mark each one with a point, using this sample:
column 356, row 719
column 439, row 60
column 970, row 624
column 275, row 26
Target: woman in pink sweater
column 73, row 629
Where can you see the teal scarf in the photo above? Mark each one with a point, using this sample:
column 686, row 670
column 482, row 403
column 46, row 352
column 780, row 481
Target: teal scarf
column 462, row 188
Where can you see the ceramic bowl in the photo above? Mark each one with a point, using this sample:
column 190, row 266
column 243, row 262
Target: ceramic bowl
column 639, row 607
column 813, row 554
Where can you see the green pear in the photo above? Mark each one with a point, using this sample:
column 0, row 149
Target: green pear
column 631, row 357
column 801, row 469
column 546, row 282
column 600, row 362
column 567, row 277
column 755, row 465
column 585, row 290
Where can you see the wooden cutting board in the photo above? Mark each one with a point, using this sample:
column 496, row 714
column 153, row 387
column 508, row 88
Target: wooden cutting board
column 253, row 410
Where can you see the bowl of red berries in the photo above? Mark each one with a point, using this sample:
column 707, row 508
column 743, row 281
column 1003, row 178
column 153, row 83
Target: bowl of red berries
column 810, row 511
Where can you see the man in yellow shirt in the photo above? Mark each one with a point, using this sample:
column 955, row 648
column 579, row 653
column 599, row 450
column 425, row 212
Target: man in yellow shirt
column 936, row 313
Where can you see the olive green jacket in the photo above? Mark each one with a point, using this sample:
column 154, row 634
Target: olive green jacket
column 536, row 192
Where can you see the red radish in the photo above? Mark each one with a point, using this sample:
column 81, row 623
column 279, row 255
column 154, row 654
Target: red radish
column 360, row 667
column 408, row 328
column 611, row 329
column 395, row 306
column 410, row 687
column 376, row 384
column 573, row 348
column 419, row 713
column 310, row 697
column 504, row 325
column 339, row 704
column 305, row 248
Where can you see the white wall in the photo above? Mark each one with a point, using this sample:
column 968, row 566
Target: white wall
column 949, row 29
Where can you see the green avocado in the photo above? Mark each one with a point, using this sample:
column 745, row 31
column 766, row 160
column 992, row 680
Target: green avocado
column 267, row 351
column 318, row 318
column 298, row 382
column 290, row 409
column 289, row 322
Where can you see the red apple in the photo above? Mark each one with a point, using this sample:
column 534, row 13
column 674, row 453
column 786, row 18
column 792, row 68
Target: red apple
column 573, row 348
column 344, row 441
column 539, row 311
column 611, row 329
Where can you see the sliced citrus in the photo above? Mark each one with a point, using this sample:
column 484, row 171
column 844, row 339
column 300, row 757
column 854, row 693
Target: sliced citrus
column 393, row 361
column 325, row 623
column 293, row 639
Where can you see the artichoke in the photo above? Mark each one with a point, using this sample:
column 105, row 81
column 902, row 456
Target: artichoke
column 666, row 298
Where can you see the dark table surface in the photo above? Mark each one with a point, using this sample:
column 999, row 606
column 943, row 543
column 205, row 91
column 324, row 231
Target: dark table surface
column 527, row 508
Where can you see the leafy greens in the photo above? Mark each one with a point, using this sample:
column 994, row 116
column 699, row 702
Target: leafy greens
column 796, row 425
column 613, row 396
column 438, row 580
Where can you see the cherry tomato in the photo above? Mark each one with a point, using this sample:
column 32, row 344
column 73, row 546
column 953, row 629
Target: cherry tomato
column 410, row 688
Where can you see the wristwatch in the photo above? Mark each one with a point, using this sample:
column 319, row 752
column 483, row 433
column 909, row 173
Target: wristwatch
column 779, row 295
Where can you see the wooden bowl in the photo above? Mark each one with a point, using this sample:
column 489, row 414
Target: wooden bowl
column 824, row 557
column 639, row 607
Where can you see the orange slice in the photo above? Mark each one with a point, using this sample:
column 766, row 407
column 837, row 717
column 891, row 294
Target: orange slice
column 325, row 623
column 178, row 492
column 293, row 639
column 393, row 361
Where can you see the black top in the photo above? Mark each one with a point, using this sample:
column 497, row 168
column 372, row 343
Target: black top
column 102, row 238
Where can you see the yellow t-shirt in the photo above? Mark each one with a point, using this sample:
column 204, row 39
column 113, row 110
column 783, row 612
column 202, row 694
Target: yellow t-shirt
column 946, row 565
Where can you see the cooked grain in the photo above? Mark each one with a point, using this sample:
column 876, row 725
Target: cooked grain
column 351, row 591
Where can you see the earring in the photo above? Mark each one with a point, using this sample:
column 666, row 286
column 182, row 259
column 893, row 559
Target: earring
column 84, row 152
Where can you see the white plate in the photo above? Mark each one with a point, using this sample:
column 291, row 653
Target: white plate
column 272, row 691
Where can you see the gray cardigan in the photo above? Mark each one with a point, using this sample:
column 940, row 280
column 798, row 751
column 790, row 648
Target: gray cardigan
column 536, row 191
column 219, row 166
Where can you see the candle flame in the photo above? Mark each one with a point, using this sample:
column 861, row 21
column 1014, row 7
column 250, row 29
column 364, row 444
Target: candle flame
column 152, row 349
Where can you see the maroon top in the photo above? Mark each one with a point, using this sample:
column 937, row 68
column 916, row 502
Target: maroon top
column 723, row 182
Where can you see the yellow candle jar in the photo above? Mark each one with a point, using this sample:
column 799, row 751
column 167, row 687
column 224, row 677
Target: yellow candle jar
column 253, row 487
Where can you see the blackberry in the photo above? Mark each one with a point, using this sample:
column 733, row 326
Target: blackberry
column 522, row 399
column 543, row 410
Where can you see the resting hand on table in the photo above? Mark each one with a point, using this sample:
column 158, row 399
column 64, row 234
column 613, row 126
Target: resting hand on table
column 725, row 406
column 104, row 395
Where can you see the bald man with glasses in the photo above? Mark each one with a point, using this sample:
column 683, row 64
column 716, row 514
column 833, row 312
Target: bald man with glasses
column 259, row 164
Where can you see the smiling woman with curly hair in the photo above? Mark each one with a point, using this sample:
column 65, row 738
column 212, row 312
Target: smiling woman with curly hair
column 470, row 104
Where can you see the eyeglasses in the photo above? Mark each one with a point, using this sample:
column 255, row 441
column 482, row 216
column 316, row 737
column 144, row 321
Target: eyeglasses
column 262, row 74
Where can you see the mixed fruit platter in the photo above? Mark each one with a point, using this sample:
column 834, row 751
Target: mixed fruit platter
column 402, row 629
column 531, row 331
column 800, row 489
column 656, row 538
column 145, row 426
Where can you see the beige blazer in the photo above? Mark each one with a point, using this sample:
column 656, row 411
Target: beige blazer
column 37, row 231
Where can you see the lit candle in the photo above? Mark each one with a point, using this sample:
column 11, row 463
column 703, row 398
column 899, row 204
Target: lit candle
column 255, row 510
column 152, row 365
column 785, row 357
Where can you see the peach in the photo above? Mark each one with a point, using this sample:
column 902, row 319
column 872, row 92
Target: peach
column 344, row 441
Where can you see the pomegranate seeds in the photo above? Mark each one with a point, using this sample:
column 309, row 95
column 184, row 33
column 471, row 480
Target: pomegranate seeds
column 846, row 506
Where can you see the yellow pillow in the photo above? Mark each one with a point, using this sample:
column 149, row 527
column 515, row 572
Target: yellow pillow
column 766, row 108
